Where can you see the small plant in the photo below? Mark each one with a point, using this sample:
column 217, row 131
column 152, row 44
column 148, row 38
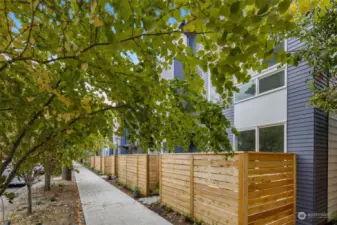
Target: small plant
column 198, row 222
column 334, row 221
column 109, row 176
column 155, row 204
column 156, row 190
column 136, row 192
column 187, row 217
column 169, row 209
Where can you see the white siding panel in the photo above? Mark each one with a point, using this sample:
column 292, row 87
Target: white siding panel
column 266, row 109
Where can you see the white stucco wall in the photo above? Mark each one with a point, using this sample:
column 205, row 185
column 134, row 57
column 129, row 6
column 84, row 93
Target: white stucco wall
column 265, row 109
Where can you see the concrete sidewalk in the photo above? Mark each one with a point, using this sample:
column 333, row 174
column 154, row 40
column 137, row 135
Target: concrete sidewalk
column 103, row 204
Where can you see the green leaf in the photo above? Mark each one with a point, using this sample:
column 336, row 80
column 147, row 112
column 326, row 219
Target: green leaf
column 304, row 5
column 283, row 6
column 2, row 58
column 261, row 3
column 235, row 7
column 84, row 66
column 2, row 179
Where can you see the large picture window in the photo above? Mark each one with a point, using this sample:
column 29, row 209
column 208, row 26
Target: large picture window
column 271, row 139
column 246, row 91
column 271, row 82
column 265, row 83
column 246, row 140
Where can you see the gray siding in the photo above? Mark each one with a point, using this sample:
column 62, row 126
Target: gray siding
column 332, row 169
column 178, row 71
column 307, row 137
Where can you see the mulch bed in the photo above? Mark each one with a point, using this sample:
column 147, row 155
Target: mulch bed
column 60, row 206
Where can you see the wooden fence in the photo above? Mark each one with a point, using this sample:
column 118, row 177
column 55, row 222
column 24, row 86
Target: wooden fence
column 139, row 170
column 110, row 165
column 249, row 188
column 97, row 162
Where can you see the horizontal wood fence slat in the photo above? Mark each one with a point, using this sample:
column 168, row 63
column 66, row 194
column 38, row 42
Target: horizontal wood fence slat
column 136, row 170
column 110, row 165
column 139, row 170
column 249, row 188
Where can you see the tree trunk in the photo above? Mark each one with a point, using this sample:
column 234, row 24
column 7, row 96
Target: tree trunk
column 29, row 196
column 47, row 177
column 66, row 173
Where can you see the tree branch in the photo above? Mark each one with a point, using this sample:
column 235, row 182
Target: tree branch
column 48, row 139
column 31, row 28
column 24, row 131
column 7, row 21
column 6, row 109
column 75, row 57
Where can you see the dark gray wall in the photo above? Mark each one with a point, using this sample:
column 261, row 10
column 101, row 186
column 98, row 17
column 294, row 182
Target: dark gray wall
column 307, row 130
column 178, row 69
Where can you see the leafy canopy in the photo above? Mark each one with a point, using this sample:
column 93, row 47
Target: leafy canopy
column 74, row 68
column 320, row 51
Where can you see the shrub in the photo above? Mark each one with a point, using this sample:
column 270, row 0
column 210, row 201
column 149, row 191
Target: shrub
column 198, row 222
column 136, row 192
column 187, row 217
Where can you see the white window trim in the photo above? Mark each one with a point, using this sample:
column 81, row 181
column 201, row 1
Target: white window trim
column 266, row 72
column 257, row 134
column 263, row 75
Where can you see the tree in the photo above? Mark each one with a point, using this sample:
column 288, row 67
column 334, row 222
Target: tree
column 320, row 51
column 68, row 68
column 29, row 174
column 64, row 152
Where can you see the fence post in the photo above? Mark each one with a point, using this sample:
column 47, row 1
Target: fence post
column 243, row 188
column 295, row 189
column 126, row 170
column 192, row 186
column 160, row 181
column 137, row 173
column 147, row 175
column 116, row 165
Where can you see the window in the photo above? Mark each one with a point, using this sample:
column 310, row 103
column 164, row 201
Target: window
column 191, row 42
column 272, row 61
column 266, row 83
column 246, row 91
column 271, row 139
column 271, row 82
column 246, row 140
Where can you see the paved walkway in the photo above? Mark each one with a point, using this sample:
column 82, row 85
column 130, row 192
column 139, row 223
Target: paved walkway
column 103, row 204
